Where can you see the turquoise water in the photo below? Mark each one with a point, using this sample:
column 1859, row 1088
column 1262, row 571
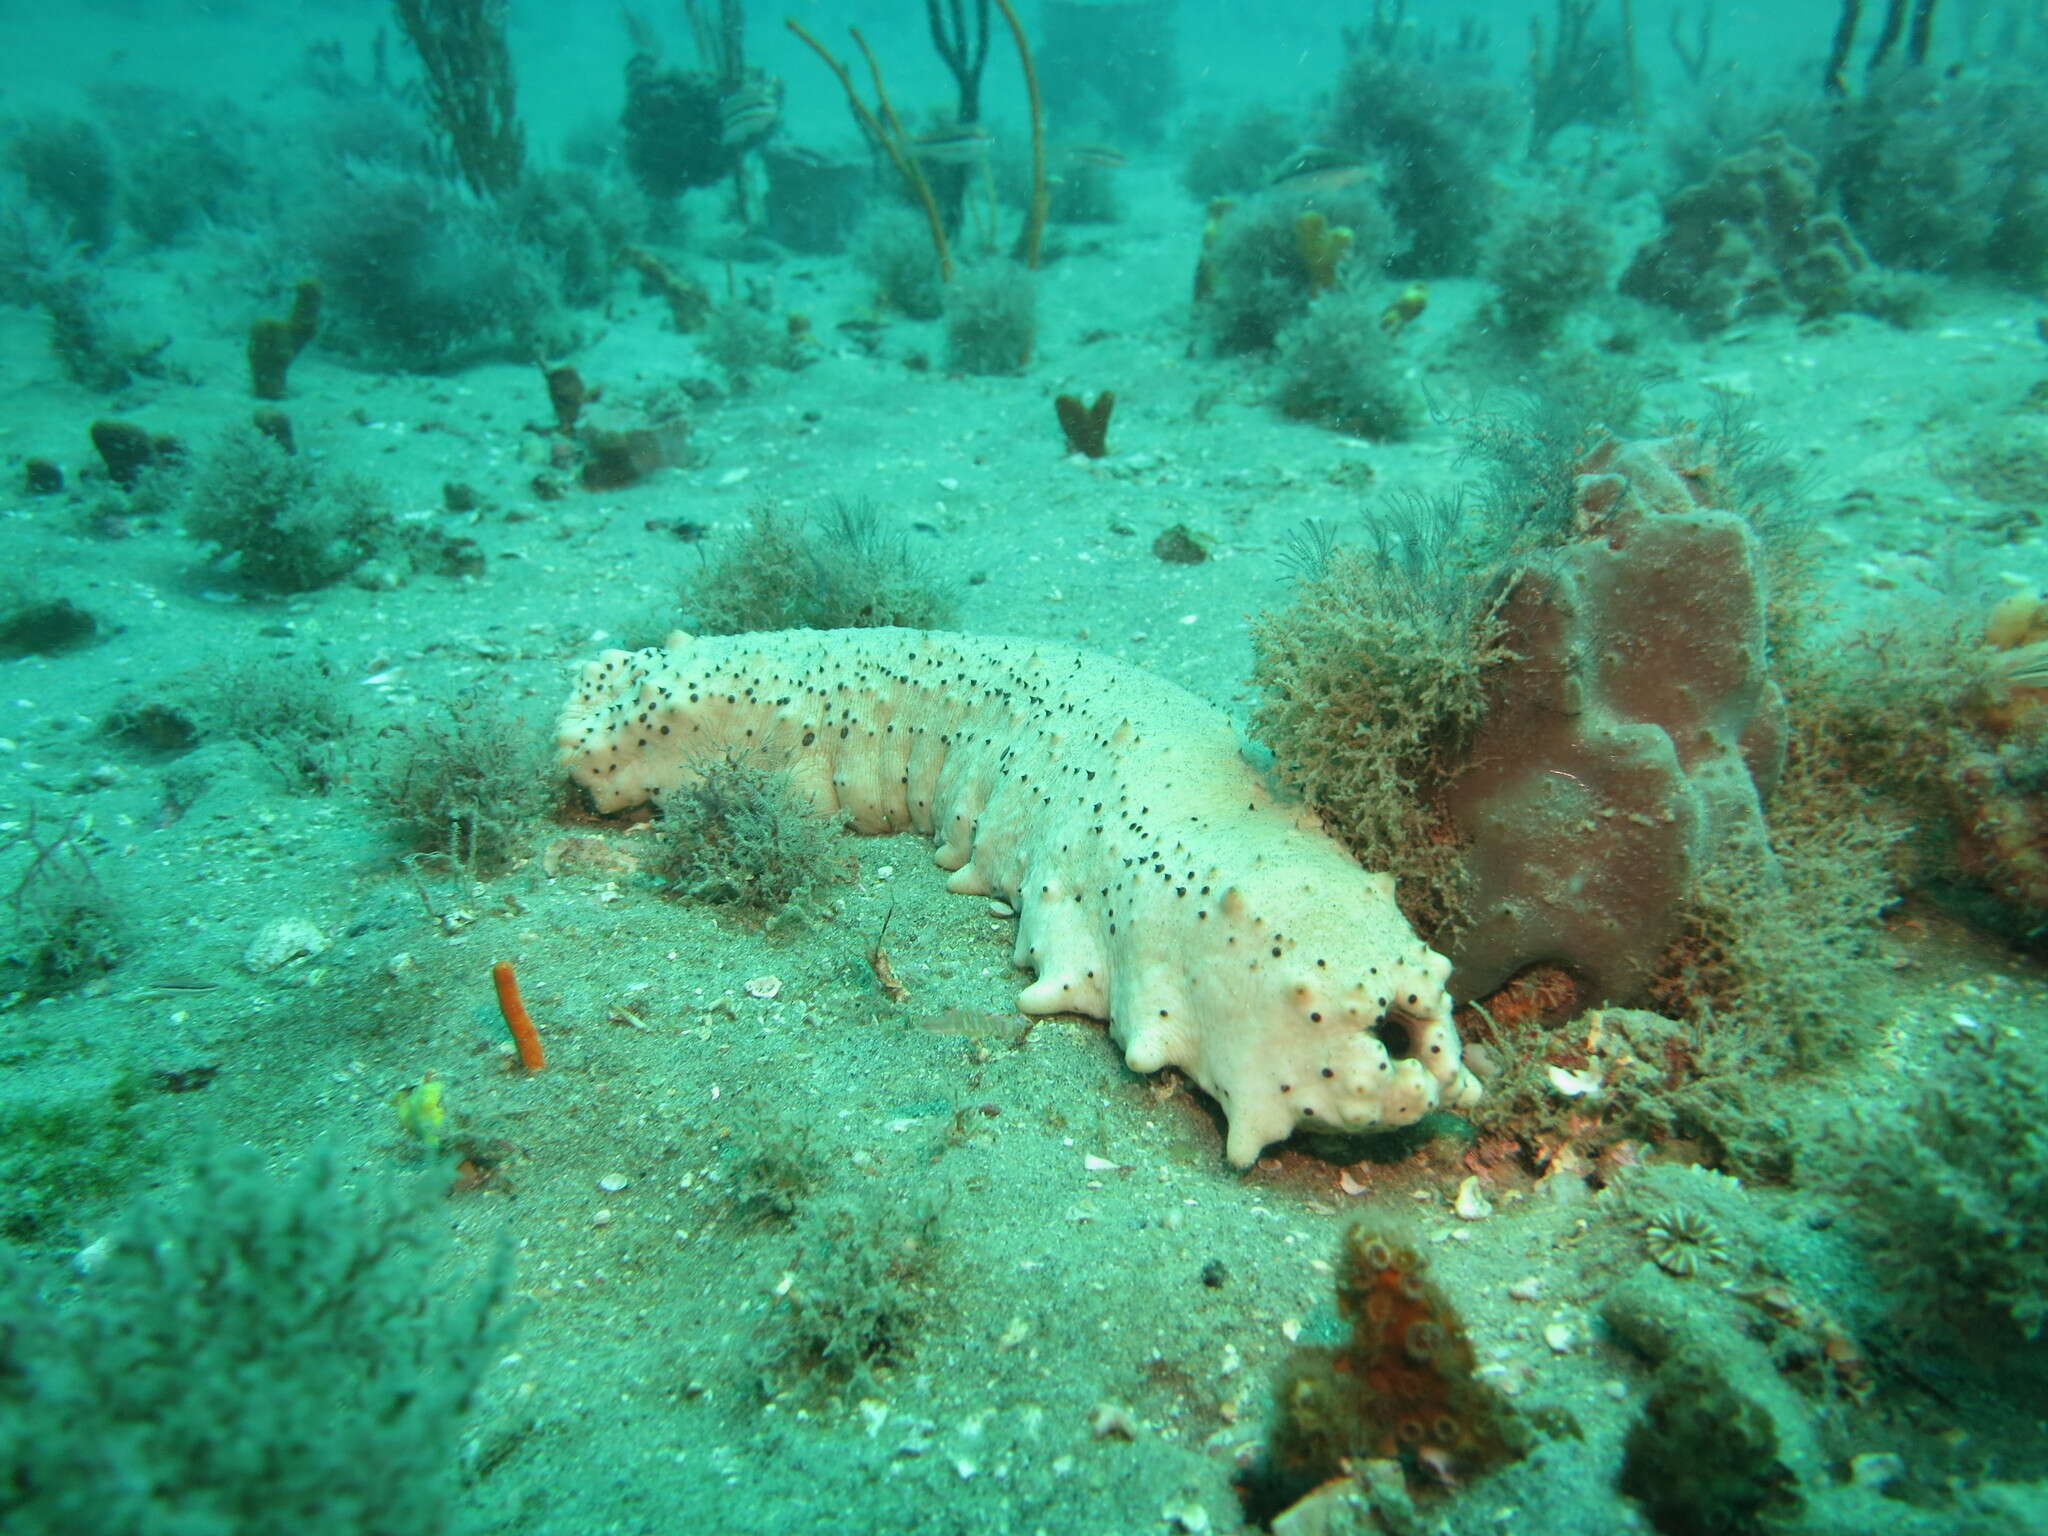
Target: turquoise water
column 1585, row 463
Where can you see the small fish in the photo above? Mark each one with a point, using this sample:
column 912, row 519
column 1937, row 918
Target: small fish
column 1314, row 169
column 1102, row 157
column 966, row 145
column 749, row 112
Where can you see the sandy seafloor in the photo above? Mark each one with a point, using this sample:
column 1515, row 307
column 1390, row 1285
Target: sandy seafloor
column 643, row 1393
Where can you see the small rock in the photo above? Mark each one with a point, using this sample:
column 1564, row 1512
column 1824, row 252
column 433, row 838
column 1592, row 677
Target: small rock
column 764, row 987
column 612, row 1183
column 600, row 1218
column 1180, row 545
column 1528, row 1288
column 1876, row 1469
column 1113, row 1421
column 281, row 942
column 1559, row 1337
column 1471, row 1204
column 92, row 1258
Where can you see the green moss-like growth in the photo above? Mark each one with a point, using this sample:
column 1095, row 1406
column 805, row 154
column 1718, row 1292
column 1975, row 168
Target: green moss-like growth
column 895, row 251
column 1339, row 369
column 1262, row 264
column 63, row 926
column 674, row 137
column 1085, row 192
column 741, row 836
column 850, row 572
column 65, row 1144
column 991, row 319
column 290, row 708
column 186, row 167
column 1704, row 1459
column 1779, row 943
column 63, row 935
column 864, row 1285
column 420, row 278
column 1436, row 138
column 67, row 167
column 466, row 788
column 2006, row 459
column 1952, row 1194
column 37, row 622
column 1905, row 711
column 88, row 333
column 1230, row 156
column 1946, row 172
column 1544, row 265
column 581, row 222
column 257, row 1356
column 773, row 1168
column 283, row 524
column 1370, row 684
column 743, row 338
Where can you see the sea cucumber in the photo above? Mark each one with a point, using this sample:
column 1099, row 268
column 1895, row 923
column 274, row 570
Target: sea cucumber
column 1157, row 880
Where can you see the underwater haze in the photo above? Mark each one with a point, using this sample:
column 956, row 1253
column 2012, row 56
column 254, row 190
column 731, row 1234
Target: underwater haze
column 1061, row 767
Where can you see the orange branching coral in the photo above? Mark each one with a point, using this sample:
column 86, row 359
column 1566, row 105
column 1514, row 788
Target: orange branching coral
column 1403, row 1388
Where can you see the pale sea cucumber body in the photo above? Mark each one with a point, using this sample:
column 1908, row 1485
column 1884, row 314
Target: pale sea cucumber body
column 1158, row 883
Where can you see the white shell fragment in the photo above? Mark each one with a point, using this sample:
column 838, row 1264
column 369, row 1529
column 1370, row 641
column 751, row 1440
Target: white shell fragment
column 764, row 987
column 1574, row 1085
column 1558, row 1336
column 1471, row 1204
column 92, row 1258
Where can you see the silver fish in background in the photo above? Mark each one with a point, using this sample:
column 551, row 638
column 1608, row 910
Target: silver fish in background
column 967, row 144
column 749, row 112
column 1314, row 168
column 1100, row 157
